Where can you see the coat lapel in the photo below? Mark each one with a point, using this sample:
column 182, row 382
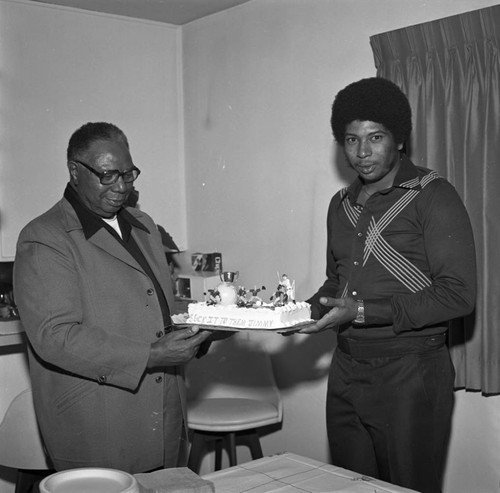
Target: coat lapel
column 104, row 240
column 152, row 250
column 101, row 239
column 155, row 256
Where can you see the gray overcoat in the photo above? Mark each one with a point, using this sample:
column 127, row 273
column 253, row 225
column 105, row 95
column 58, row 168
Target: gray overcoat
column 90, row 313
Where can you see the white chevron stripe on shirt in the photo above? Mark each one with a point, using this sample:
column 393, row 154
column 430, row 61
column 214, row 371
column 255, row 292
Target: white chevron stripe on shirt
column 345, row 291
column 351, row 212
column 400, row 267
column 391, row 213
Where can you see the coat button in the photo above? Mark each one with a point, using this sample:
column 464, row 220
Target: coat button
column 150, row 291
column 159, row 379
column 102, row 379
column 159, row 334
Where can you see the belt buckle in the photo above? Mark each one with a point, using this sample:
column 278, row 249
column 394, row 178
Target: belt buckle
column 435, row 340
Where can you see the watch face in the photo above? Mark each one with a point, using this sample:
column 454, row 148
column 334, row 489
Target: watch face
column 360, row 316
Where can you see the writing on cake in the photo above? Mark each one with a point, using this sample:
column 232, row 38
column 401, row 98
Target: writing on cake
column 230, row 322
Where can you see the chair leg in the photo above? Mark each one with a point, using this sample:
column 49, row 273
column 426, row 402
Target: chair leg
column 231, row 448
column 254, row 445
column 24, row 482
column 196, row 452
column 227, row 441
column 219, row 442
column 28, row 480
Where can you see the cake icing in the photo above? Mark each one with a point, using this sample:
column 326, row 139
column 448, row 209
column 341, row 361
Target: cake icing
column 255, row 317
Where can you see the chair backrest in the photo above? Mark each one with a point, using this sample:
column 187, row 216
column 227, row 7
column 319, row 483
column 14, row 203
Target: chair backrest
column 234, row 367
column 22, row 446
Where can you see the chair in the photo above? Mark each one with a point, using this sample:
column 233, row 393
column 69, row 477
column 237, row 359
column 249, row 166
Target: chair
column 22, row 446
column 231, row 394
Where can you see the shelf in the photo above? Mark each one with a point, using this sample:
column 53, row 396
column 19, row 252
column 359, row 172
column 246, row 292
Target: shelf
column 11, row 333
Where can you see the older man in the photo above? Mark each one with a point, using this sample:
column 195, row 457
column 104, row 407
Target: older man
column 94, row 294
column 400, row 265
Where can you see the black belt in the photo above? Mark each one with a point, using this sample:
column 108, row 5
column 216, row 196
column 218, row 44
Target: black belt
column 381, row 348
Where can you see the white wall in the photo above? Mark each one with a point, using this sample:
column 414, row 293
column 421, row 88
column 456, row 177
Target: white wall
column 60, row 68
column 261, row 168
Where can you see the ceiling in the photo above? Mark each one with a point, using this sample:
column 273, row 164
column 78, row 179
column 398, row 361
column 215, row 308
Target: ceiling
column 176, row 12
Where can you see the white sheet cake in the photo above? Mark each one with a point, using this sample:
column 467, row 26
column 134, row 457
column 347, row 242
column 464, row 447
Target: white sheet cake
column 261, row 317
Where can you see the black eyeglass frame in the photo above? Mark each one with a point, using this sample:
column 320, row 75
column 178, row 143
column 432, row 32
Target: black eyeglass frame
column 111, row 173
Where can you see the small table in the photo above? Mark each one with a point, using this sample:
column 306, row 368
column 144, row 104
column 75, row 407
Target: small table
column 290, row 473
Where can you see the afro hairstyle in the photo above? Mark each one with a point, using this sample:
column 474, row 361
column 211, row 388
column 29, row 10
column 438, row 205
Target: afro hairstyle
column 374, row 99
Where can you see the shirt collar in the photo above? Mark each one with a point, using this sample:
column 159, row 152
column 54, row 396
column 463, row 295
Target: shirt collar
column 92, row 223
column 406, row 177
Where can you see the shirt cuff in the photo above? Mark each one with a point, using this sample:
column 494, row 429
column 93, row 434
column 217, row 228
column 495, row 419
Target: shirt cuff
column 378, row 312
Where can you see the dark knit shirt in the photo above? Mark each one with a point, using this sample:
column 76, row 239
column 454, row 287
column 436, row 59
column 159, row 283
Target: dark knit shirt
column 408, row 253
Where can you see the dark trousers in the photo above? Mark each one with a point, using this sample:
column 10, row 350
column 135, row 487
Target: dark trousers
column 389, row 417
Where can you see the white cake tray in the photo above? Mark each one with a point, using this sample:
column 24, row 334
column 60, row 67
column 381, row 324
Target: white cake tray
column 279, row 330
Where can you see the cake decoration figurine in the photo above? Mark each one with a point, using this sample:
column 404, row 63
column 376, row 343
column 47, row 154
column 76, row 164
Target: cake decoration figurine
column 280, row 297
column 242, row 296
column 288, row 285
column 213, row 297
column 254, row 299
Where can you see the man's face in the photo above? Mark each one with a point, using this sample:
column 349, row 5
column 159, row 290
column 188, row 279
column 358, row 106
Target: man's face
column 370, row 150
column 104, row 200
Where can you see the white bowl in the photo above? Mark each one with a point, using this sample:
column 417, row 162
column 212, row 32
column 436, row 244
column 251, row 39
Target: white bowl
column 90, row 480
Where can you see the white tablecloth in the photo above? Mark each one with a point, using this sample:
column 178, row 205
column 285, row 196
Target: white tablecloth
column 291, row 473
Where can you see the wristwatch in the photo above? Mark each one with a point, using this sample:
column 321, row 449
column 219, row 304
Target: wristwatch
column 360, row 315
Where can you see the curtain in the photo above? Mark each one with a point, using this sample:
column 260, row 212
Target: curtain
column 450, row 71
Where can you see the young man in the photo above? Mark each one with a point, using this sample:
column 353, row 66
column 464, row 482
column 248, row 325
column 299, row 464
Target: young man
column 400, row 265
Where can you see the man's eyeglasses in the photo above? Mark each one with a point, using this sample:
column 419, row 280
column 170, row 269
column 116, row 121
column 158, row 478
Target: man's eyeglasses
column 111, row 176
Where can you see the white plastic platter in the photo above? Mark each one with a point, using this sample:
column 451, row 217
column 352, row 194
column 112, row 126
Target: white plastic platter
column 279, row 330
column 90, row 480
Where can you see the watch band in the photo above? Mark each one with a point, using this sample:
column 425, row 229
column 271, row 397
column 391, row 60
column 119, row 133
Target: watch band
column 360, row 315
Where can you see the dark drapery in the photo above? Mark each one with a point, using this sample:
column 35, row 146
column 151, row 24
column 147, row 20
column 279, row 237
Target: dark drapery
column 450, row 70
